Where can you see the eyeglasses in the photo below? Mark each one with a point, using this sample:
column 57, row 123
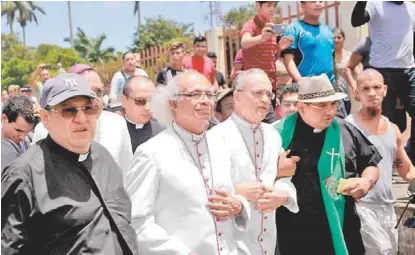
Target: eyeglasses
column 289, row 103
column 71, row 112
column 258, row 94
column 199, row 94
column 140, row 101
column 100, row 92
column 325, row 106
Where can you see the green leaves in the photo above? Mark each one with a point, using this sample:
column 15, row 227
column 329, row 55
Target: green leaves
column 18, row 61
column 158, row 31
column 236, row 17
column 91, row 49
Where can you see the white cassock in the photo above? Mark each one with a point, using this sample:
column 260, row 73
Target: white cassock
column 254, row 153
column 169, row 182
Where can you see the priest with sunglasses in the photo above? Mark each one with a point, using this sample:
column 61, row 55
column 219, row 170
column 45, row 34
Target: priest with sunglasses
column 65, row 194
column 135, row 100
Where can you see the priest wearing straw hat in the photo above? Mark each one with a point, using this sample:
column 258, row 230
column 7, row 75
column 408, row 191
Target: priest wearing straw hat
column 338, row 166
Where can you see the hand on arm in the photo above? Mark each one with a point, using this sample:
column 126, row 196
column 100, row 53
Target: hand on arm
column 271, row 200
column 286, row 166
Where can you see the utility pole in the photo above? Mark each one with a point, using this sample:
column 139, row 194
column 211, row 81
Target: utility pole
column 70, row 24
column 211, row 13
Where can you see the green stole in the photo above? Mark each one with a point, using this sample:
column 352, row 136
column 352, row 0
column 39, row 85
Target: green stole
column 331, row 167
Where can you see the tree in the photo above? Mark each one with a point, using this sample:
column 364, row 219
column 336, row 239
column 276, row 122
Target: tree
column 237, row 17
column 19, row 61
column 158, row 31
column 28, row 15
column 26, row 10
column 90, row 49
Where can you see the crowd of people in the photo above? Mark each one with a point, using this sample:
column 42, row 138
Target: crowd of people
column 293, row 153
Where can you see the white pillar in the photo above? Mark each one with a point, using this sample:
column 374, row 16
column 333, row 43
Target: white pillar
column 353, row 35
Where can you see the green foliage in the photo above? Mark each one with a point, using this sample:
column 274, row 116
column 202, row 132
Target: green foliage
column 26, row 10
column 159, row 31
column 90, row 49
column 18, row 61
column 236, row 17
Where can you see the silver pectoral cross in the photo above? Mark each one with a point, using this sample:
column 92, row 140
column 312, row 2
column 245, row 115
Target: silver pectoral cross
column 332, row 154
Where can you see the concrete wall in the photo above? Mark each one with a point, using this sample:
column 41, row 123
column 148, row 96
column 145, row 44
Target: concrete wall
column 353, row 35
column 215, row 43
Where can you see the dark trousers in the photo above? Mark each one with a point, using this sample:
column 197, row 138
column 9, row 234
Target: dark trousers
column 401, row 84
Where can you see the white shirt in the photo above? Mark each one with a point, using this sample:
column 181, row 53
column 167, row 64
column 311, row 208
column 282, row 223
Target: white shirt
column 169, row 194
column 111, row 132
column 391, row 30
column 118, row 81
column 254, row 153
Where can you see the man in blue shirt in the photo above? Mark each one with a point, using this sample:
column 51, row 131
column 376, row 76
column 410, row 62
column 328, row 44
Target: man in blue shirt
column 311, row 52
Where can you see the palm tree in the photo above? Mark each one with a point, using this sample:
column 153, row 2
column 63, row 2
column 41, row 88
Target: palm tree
column 27, row 13
column 90, row 48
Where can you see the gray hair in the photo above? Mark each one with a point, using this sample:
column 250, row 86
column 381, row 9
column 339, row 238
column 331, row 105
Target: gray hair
column 159, row 104
column 240, row 80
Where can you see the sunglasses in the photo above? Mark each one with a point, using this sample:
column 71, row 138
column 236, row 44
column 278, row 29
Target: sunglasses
column 100, row 92
column 71, row 112
column 140, row 101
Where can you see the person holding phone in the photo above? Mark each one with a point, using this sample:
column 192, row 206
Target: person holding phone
column 259, row 45
column 41, row 72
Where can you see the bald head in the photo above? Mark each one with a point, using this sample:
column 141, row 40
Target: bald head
column 93, row 78
column 189, row 79
column 251, row 77
column 370, row 75
column 137, row 83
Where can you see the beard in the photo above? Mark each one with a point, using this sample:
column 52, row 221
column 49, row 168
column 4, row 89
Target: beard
column 372, row 112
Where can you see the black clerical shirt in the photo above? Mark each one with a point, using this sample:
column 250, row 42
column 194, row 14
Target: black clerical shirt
column 307, row 232
column 48, row 206
column 140, row 133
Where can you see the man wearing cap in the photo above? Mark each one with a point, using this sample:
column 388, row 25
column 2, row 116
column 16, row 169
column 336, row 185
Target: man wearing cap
column 254, row 147
column 224, row 104
column 137, row 93
column 111, row 131
column 337, row 166
column 65, row 195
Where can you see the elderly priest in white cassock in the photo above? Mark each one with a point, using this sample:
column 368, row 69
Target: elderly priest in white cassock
column 255, row 149
column 183, row 199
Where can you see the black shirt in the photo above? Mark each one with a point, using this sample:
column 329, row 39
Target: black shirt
column 141, row 135
column 166, row 75
column 48, row 206
column 307, row 232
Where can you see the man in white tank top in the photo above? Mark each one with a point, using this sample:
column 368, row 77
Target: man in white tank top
column 376, row 209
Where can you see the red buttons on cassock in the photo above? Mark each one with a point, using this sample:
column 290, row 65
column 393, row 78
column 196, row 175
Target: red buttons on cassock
column 219, row 234
column 265, row 230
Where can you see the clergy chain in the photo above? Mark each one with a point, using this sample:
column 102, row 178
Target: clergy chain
column 209, row 191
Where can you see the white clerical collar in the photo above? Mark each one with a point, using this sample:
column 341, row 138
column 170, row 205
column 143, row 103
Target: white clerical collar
column 316, row 130
column 82, row 157
column 137, row 126
column 186, row 135
column 243, row 123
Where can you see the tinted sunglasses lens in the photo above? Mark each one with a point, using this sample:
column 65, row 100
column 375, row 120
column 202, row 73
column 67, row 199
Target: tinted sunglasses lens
column 91, row 109
column 71, row 112
column 140, row 101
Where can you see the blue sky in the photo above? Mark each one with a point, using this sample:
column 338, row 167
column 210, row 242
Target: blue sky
column 115, row 19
